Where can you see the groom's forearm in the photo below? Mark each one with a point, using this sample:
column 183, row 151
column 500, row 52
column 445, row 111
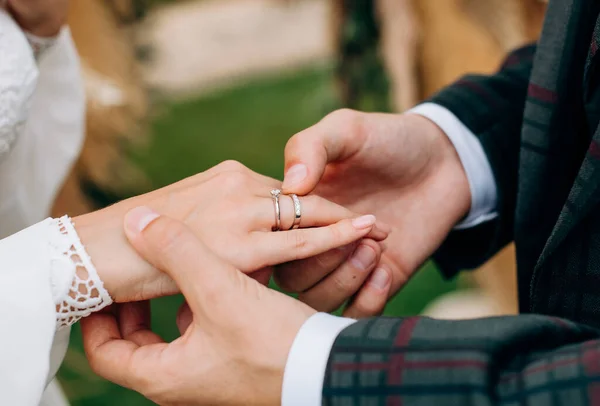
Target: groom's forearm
column 530, row 359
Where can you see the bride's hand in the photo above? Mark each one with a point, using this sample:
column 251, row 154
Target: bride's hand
column 230, row 208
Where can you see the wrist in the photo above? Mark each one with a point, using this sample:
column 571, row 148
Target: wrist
column 102, row 238
column 446, row 172
column 77, row 289
column 452, row 173
column 126, row 276
column 474, row 162
column 91, row 238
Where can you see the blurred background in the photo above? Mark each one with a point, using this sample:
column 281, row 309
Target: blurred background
column 175, row 87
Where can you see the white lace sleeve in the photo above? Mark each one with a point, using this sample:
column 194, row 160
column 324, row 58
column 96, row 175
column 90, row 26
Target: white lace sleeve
column 18, row 76
column 76, row 287
column 43, row 268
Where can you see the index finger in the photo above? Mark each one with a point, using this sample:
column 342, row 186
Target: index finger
column 308, row 152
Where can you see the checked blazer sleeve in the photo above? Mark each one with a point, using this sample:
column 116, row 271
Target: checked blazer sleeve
column 492, row 108
column 518, row 360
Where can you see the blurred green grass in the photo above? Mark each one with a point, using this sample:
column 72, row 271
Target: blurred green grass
column 251, row 124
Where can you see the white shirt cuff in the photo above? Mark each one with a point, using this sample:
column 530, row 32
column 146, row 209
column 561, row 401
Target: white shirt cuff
column 307, row 361
column 484, row 195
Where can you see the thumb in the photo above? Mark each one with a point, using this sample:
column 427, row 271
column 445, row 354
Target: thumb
column 169, row 245
column 308, row 152
column 305, row 162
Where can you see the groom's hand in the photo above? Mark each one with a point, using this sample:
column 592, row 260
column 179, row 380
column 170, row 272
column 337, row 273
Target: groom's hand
column 236, row 342
column 403, row 169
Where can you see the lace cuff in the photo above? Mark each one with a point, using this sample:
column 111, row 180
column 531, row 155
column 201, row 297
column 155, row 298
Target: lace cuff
column 76, row 287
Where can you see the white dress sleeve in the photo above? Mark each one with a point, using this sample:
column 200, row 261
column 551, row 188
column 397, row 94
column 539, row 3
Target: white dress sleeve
column 18, row 78
column 47, row 282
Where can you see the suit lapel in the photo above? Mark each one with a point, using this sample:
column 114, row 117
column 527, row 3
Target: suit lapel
column 583, row 197
column 572, row 172
column 591, row 61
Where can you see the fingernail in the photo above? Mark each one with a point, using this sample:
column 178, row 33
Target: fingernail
column 296, row 174
column 364, row 222
column 139, row 218
column 380, row 279
column 363, row 257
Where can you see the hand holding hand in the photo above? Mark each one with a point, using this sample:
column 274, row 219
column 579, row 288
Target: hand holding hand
column 403, row 169
column 230, row 209
column 236, row 339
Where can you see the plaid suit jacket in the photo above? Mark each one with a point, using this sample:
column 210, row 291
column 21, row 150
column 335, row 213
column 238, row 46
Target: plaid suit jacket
column 537, row 120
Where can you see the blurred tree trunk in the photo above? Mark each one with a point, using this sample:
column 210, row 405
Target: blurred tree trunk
column 399, row 46
column 361, row 78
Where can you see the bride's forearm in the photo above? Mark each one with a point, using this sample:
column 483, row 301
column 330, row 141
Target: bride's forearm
column 126, row 276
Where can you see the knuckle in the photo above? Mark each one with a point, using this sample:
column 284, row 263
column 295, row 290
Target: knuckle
column 292, row 143
column 341, row 284
column 231, row 181
column 300, row 243
column 231, row 166
column 343, row 114
column 171, row 237
column 323, row 262
column 336, row 236
column 346, row 119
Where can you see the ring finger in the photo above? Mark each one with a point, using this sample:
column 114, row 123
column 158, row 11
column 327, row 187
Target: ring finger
column 315, row 212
